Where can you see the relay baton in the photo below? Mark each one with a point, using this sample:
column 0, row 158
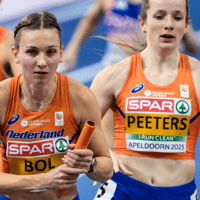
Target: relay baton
column 83, row 141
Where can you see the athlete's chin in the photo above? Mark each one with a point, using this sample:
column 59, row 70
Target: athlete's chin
column 168, row 47
column 40, row 81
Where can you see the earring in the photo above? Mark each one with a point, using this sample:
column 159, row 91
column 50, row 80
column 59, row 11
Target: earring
column 17, row 61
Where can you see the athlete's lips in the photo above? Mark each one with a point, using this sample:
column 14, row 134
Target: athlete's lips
column 40, row 72
column 167, row 36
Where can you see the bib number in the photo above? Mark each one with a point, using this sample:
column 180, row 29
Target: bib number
column 106, row 191
column 194, row 196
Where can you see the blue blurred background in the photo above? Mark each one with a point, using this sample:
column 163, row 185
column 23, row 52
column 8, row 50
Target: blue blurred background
column 68, row 13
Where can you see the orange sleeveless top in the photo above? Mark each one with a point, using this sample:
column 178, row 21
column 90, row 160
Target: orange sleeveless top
column 35, row 142
column 157, row 121
column 2, row 36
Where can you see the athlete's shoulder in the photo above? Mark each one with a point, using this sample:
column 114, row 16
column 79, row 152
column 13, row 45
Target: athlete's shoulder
column 83, row 101
column 114, row 72
column 194, row 64
column 78, row 91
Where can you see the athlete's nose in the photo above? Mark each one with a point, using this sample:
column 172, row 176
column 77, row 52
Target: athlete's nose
column 169, row 24
column 41, row 62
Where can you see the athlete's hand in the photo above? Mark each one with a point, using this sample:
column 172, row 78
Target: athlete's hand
column 59, row 178
column 78, row 158
column 118, row 165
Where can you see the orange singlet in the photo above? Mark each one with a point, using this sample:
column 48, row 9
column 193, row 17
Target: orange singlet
column 157, row 121
column 36, row 141
column 2, row 36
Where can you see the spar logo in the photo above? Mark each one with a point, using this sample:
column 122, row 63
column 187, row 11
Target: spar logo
column 137, row 88
column 139, row 104
column 37, row 148
column 33, row 149
column 182, row 107
column 61, row 145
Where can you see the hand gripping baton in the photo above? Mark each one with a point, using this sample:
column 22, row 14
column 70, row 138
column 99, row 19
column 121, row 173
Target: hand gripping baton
column 83, row 141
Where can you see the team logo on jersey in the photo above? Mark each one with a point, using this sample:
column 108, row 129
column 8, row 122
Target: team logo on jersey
column 24, row 122
column 59, row 119
column 14, row 119
column 184, row 91
column 137, row 88
column 182, row 107
column 61, row 145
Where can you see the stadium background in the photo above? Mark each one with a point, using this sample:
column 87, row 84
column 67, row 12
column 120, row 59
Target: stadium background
column 68, row 13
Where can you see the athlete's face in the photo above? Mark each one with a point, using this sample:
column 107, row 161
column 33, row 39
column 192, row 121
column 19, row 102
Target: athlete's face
column 39, row 54
column 165, row 24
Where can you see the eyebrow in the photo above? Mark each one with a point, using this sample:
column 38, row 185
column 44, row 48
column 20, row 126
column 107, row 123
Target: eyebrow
column 163, row 11
column 178, row 11
column 32, row 47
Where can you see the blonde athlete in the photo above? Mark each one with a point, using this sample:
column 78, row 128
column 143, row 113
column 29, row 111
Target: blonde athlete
column 120, row 16
column 41, row 115
column 155, row 97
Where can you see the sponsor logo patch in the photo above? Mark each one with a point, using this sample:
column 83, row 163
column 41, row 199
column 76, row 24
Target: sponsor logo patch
column 158, row 105
column 38, row 148
column 149, row 93
column 41, row 122
column 24, row 122
column 14, row 119
column 137, row 88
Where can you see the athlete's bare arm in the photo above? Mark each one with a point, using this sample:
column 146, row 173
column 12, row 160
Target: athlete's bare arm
column 10, row 68
column 107, row 86
column 108, row 83
column 84, row 29
column 85, row 107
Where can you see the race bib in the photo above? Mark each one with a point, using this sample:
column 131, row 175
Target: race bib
column 35, row 157
column 157, row 124
column 194, row 196
column 106, row 191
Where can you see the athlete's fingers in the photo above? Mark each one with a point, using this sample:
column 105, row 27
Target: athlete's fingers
column 115, row 161
column 115, row 165
column 82, row 152
column 72, row 171
column 124, row 170
column 95, row 183
column 75, row 161
column 71, row 146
